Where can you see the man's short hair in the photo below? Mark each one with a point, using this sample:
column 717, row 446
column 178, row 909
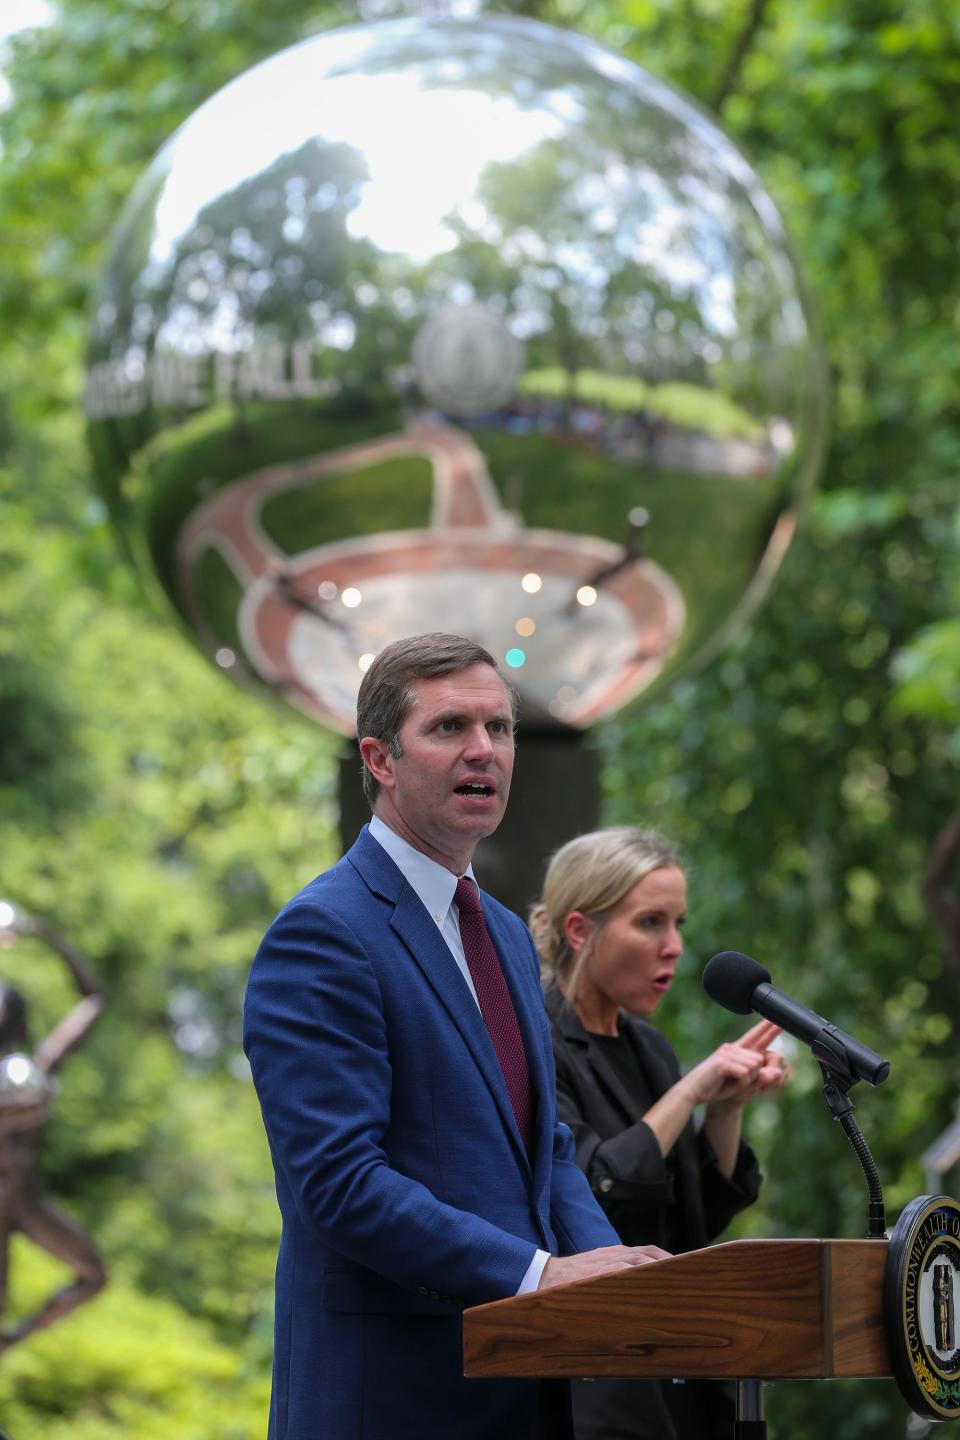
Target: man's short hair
column 385, row 696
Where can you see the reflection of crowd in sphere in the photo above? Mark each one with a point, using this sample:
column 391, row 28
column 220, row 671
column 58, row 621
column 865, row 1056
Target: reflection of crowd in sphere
column 637, row 436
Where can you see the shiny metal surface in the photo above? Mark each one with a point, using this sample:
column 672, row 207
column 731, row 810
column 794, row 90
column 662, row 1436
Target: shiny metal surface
column 459, row 324
column 22, row 1082
column 13, row 922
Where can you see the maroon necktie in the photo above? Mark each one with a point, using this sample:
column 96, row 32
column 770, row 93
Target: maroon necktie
column 496, row 1006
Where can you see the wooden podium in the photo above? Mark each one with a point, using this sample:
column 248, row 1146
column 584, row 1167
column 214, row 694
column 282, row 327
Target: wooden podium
column 747, row 1310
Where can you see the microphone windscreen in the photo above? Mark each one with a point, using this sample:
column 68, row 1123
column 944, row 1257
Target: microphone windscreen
column 731, row 978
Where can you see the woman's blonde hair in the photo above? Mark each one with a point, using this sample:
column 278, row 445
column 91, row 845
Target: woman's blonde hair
column 592, row 874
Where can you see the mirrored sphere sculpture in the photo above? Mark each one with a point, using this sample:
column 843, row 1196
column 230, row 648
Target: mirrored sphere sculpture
column 454, row 324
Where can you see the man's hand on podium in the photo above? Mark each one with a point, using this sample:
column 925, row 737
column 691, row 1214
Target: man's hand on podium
column 564, row 1269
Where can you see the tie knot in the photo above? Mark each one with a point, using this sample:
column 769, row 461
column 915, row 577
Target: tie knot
column 467, row 895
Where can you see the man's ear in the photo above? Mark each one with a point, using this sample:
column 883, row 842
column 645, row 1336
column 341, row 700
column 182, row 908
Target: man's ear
column 378, row 760
column 578, row 929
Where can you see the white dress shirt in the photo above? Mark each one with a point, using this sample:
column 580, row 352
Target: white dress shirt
column 435, row 887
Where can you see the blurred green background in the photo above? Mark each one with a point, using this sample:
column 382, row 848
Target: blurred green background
column 160, row 817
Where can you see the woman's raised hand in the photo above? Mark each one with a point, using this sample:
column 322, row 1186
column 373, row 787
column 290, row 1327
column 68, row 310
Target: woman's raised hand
column 739, row 1069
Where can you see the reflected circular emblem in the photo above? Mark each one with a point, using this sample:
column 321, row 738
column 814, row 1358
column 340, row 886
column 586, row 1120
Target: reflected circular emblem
column 466, row 361
column 921, row 1306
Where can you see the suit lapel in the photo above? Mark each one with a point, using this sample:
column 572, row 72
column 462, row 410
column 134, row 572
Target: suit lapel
column 603, row 1072
column 420, row 937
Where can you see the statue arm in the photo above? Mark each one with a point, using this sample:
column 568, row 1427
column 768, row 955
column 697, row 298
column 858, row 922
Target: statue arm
column 74, row 1027
column 79, row 968
column 71, row 1031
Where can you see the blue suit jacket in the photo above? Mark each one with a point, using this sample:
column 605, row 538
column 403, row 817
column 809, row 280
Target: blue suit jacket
column 405, row 1190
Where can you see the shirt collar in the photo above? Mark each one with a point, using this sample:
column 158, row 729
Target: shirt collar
column 433, row 883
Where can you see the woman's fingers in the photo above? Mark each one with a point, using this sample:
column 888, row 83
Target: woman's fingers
column 738, row 1070
column 729, row 1069
column 760, row 1036
column 774, row 1073
column 735, row 1073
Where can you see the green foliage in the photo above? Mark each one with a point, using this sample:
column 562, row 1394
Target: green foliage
column 159, row 819
column 138, row 1366
column 160, row 816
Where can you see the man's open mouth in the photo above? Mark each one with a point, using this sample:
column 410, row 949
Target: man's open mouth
column 474, row 789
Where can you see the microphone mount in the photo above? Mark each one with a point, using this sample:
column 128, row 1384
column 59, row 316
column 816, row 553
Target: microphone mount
column 838, row 1080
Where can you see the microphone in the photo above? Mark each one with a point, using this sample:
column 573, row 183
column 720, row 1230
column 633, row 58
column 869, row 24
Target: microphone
column 740, row 984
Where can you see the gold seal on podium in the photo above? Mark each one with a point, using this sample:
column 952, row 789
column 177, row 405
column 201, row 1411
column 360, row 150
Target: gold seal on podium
column 921, row 1306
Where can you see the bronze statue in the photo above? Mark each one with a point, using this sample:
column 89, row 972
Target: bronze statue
column 27, row 1089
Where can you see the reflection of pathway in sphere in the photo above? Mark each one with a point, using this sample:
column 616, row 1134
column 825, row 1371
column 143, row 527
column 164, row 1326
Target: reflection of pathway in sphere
column 475, row 571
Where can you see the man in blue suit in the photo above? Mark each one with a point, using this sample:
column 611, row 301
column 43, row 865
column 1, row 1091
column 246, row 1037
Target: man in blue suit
column 401, row 1054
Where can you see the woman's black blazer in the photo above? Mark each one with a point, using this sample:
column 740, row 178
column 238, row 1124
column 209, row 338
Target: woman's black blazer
column 681, row 1206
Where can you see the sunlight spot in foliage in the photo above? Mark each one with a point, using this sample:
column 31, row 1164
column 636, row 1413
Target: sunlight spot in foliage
column 736, row 797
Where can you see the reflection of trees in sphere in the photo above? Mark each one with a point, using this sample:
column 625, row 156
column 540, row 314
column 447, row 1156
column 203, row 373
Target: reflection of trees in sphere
column 416, row 311
column 22, row 1082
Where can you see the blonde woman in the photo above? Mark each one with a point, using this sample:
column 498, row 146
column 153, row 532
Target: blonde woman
column 608, row 928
